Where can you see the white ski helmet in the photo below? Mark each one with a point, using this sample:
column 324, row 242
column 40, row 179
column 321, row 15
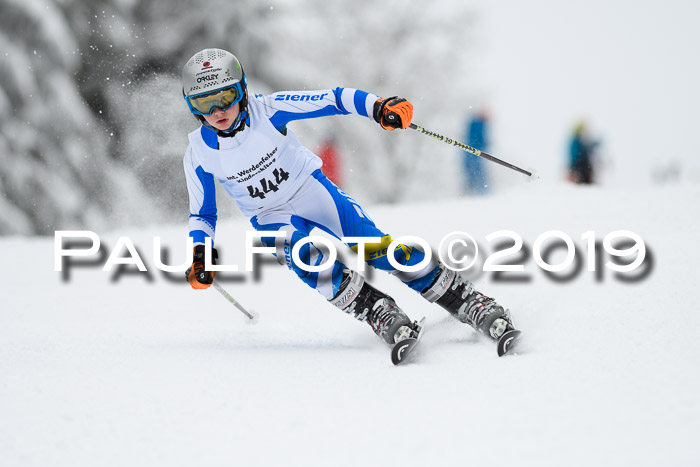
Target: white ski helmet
column 208, row 72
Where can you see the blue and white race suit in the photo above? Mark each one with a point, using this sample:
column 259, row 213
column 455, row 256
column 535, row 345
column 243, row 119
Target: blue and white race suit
column 279, row 184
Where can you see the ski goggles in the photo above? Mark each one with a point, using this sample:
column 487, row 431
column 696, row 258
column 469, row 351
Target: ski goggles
column 223, row 99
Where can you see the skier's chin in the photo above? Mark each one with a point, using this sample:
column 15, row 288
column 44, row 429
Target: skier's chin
column 223, row 124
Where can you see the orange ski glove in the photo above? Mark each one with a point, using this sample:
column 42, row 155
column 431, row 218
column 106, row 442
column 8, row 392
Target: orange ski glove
column 196, row 275
column 393, row 112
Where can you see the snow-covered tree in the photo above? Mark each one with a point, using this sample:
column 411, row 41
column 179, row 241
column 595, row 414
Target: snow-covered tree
column 93, row 126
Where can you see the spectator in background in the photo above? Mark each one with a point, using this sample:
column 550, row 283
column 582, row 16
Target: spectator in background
column 581, row 154
column 328, row 152
column 475, row 175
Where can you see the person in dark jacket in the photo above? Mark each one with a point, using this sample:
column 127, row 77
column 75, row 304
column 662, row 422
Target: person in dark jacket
column 581, row 154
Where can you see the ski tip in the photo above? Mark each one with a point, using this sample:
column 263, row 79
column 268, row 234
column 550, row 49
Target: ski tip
column 507, row 341
column 401, row 350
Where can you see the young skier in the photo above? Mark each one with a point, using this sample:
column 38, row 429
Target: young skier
column 245, row 144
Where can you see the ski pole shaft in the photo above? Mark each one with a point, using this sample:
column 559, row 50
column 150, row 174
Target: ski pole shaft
column 469, row 149
column 233, row 301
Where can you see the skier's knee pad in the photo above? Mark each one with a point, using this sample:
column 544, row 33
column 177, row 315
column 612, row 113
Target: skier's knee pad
column 376, row 255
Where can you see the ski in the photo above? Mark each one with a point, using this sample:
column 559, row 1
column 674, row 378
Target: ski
column 401, row 350
column 507, row 341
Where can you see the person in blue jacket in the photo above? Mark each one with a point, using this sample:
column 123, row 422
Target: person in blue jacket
column 476, row 176
column 581, row 154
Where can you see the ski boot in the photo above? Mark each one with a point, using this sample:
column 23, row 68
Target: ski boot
column 359, row 299
column 459, row 297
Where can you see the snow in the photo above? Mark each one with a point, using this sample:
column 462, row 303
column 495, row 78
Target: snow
column 139, row 372
column 135, row 369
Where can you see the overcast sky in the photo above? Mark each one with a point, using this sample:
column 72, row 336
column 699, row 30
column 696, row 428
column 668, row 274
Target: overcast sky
column 630, row 68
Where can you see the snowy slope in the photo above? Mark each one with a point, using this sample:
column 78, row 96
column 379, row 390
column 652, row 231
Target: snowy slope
column 145, row 373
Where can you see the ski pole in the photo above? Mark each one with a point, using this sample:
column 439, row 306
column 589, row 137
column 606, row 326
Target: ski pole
column 469, row 149
column 252, row 317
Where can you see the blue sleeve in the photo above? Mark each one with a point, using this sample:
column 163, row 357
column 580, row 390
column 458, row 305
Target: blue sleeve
column 286, row 106
column 202, row 194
